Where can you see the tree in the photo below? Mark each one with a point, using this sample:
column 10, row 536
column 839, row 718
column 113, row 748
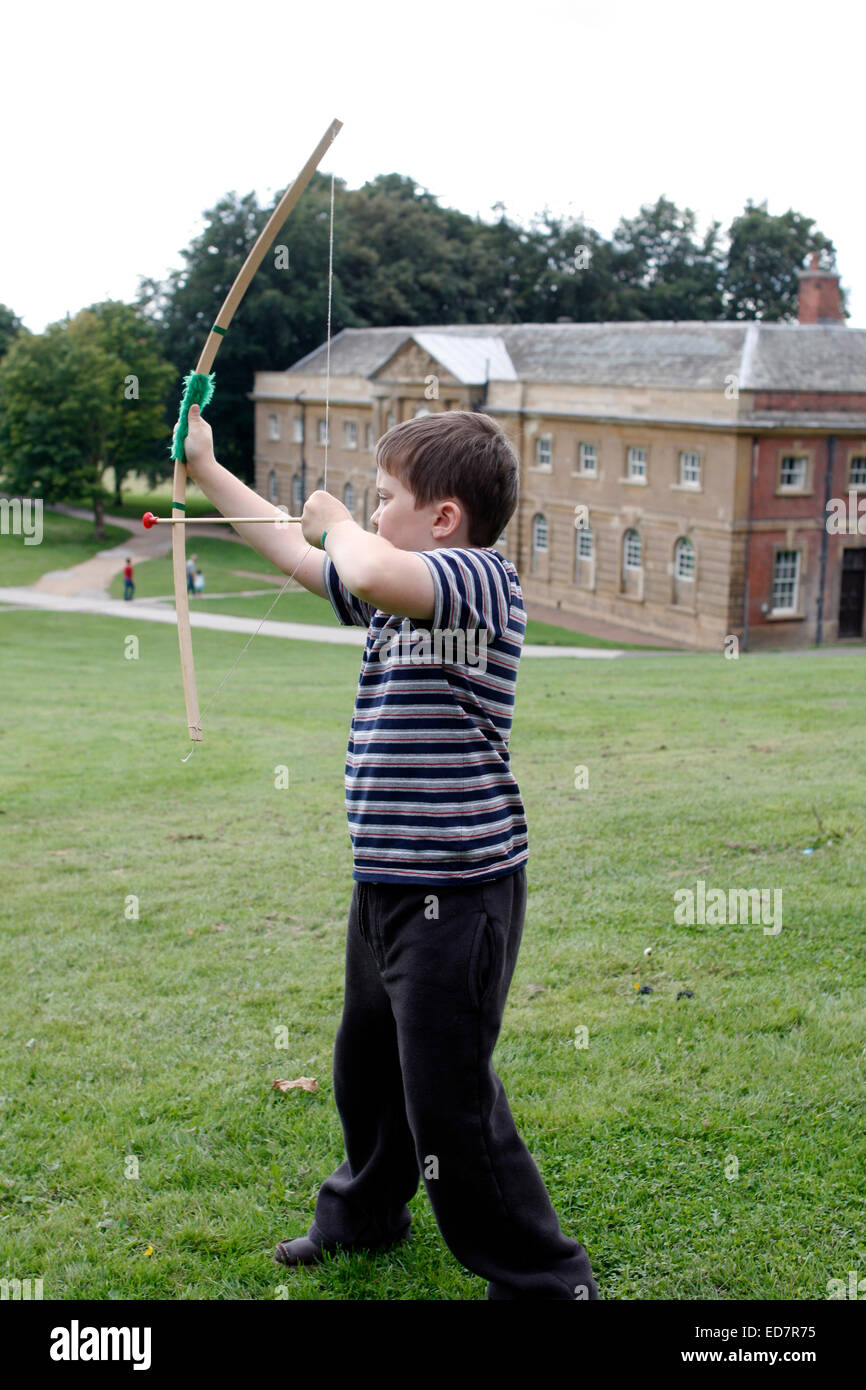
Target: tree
column 765, row 251
column 10, row 327
column 139, row 417
column 65, row 409
column 662, row 270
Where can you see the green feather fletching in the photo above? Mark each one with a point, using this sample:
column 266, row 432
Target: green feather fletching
column 198, row 390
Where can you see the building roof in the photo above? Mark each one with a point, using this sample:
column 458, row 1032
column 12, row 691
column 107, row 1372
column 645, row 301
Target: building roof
column 690, row 355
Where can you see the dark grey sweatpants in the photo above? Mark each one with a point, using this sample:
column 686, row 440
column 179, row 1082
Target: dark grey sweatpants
column 427, row 974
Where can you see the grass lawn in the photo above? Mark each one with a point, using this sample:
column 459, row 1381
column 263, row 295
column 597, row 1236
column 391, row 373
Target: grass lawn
column 66, row 541
column 161, row 921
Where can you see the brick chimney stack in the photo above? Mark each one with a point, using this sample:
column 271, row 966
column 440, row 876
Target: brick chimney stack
column 820, row 301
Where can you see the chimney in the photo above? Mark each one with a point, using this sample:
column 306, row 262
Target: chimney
column 819, row 295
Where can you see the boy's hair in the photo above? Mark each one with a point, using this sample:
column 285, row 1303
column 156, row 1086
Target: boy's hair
column 456, row 453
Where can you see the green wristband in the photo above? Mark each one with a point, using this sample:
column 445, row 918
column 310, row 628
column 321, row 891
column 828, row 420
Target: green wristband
column 324, row 534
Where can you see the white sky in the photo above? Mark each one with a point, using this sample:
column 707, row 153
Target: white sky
column 121, row 122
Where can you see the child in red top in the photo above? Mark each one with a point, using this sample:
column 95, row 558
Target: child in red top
column 128, row 585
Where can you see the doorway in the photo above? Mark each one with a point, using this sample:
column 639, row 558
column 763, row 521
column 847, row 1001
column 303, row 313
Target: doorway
column 852, row 592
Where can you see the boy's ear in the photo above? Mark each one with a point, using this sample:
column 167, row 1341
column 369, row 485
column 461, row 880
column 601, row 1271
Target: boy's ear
column 447, row 518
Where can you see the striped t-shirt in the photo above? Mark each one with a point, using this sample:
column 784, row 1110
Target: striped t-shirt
column 430, row 795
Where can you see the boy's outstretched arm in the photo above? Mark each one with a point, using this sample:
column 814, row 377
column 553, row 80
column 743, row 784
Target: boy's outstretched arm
column 374, row 570
column 284, row 546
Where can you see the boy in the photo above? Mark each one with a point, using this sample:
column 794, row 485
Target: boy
column 440, row 849
column 128, row 582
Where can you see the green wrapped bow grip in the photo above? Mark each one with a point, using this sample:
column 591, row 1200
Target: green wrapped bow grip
column 198, row 390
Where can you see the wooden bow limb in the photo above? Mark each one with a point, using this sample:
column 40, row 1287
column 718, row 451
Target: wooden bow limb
column 199, row 388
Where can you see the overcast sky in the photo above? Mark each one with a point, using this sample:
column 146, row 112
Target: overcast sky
column 122, row 123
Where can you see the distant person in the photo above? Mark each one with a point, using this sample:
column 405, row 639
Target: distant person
column 191, row 567
column 199, row 581
column 128, row 585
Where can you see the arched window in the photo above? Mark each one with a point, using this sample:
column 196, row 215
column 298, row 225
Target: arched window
column 539, row 541
column 684, row 559
column 584, row 557
column 684, row 572
column 273, row 487
column 631, row 551
column 297, row 495
column 632, row 564
column 349, row 497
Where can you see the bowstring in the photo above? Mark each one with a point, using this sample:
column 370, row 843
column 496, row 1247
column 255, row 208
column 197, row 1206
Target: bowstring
column 283, row 588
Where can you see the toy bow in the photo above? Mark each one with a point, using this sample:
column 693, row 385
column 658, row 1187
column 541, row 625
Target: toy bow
column 198, row 390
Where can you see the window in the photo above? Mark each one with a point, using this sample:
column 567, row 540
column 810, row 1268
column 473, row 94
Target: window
column 786, row 576
column 368, row 437
column 792, row 473
column 297, row 495
column 273, row 489
column 349, row 497
column 584, row 558
column 858, row 471
column 298, row 429
column 684, row 559
column 632, row 550
column 422, row 410
column 322, row 432
column 587, row 460
column 690, row 470
column 631, row 579
column 390, row 420
column 539, row 542
column 350, row 434
column 501, row 540
column 544, row 451
column 273, row 427
column 636, row 465
column 320, row 485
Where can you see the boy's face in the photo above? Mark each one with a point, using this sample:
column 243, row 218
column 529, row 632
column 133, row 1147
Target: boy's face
column 397, row 520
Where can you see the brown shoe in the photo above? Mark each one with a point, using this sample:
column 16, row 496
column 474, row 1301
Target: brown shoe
column 300, row 1251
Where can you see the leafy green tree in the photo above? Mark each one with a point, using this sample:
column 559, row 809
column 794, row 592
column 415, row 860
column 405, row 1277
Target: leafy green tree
column 663, row 270
column 139, row 424
column 10, row 327
column 283, row 314
column 760, row 278
column 67, row 411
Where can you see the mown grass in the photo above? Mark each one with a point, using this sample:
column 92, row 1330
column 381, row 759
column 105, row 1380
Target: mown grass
column 703, row 1147
column 66, row 541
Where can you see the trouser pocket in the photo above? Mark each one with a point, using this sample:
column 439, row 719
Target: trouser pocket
column 483, row 961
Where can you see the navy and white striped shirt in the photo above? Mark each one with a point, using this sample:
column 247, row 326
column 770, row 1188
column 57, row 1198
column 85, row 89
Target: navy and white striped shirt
column 430, row 795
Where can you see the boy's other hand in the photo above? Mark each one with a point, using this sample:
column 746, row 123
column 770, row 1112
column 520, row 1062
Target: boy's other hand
column 198, row 448
column 321, row 512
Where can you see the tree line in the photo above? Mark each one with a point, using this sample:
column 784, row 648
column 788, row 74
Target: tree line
column 101, row 389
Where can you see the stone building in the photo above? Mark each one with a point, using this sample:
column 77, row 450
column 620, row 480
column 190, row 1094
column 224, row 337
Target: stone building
column 676, row 478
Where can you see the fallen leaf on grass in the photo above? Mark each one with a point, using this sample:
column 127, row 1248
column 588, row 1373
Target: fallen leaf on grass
column 303, row 1083
column 149, row 1250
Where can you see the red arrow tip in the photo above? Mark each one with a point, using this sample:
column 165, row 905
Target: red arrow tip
column 149, row 520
